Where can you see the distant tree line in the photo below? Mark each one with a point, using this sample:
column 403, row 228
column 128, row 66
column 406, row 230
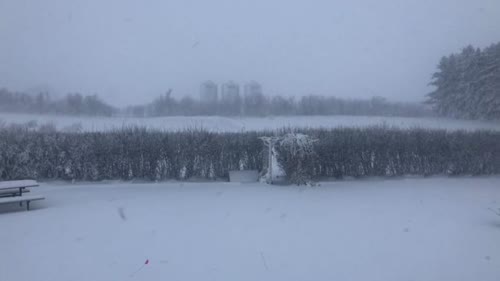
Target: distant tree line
column 42, row 103
column 260, row 105
column 153, row 155
column 256, row 105
column 468, row 84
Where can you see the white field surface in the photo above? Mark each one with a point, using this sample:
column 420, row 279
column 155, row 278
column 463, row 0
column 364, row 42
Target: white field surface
column 407, row 229
column 227, row 124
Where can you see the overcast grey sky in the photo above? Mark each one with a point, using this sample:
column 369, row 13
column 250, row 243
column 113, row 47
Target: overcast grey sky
column 129, row 51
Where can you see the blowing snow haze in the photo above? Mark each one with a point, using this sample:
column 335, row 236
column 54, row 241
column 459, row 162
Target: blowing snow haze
column 131, row 51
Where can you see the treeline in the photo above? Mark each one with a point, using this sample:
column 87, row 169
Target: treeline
column 260, row 105
column 468, row 84
column 43, row 103
column 256, row 105
column 151, row 155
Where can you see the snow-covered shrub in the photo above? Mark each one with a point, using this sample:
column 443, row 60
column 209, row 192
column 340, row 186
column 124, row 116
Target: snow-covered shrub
column 127, row 154
column 137, row 153
column 355, row 152
column 296, row 157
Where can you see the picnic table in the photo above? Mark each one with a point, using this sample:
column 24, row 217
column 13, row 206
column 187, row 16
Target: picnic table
column 12, row 192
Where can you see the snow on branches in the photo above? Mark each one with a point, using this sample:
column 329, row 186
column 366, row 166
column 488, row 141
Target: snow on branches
column 296, row 157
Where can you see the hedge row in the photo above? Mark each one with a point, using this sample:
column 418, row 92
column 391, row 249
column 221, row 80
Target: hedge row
column 152, row 155
column 394, row 152
column 128, row 154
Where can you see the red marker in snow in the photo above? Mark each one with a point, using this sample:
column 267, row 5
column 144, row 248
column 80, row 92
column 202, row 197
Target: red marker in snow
column 142, row 266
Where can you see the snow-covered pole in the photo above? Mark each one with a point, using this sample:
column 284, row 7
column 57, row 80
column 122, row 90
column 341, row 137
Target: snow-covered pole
column 269, row 142
column 270, row 162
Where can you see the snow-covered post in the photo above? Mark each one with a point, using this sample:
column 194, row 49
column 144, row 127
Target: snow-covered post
column 269, row 142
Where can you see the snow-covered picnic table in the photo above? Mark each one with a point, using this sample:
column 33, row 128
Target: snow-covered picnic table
column 12, row 192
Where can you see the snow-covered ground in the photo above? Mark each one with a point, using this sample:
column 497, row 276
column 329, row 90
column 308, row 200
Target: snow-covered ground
column 244, row 124
column 406, row 229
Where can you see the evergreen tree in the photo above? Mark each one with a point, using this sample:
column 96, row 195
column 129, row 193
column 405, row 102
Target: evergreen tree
column 468, row 84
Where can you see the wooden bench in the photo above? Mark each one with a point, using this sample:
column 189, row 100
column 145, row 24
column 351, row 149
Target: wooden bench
column 12, row 192
column 21, row 199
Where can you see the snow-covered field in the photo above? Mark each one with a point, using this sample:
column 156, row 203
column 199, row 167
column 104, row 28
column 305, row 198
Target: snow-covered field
column 244, row 124
column 406, row 229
